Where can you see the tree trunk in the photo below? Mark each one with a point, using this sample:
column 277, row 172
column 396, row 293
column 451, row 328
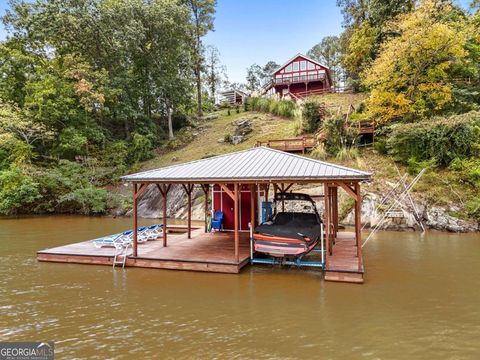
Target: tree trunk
column 170, row 125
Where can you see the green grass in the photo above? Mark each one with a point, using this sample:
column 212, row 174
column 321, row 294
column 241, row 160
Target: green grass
column 208, row 136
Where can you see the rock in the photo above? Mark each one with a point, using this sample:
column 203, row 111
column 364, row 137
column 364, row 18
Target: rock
column 174, row 158
column 222, row 140
column 210, row 117
column 236, row 139
column 242, row 127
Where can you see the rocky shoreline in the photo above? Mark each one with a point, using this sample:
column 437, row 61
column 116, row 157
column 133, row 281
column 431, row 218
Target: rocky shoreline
column 432, row 217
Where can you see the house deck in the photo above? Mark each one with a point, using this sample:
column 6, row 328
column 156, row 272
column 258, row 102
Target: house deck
column 203, row 252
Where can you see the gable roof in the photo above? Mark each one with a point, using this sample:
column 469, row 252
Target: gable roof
column 255, row 164
column 293, row 58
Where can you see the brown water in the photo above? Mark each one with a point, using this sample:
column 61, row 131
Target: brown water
column 421, row 300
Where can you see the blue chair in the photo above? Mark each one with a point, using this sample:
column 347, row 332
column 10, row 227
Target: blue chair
column 217, row 221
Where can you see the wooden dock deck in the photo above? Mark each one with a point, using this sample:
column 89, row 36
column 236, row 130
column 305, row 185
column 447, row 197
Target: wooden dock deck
column 211, row 252
column 343, row 264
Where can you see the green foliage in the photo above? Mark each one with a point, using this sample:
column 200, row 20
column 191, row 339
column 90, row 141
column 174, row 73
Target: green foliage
column 18, row 191
column 443, row 139
column 319, row 152
column 468, row 169
column 311, row 115
column 283, row 108
column 141, row 148
column 410, row 79
column 71, row 142
column 347, row 154
column 88, row 200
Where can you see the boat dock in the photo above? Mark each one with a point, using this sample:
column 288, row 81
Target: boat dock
column 211, row 252
column 239, row 184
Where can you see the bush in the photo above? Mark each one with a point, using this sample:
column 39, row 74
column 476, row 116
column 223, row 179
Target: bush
column 311, row 115
column 319, row 152
column 347, row 153
column 18, row 191
column 441, row 138
column 283, row 108
column 87, row 201
column 468, row 170
column 140, row 148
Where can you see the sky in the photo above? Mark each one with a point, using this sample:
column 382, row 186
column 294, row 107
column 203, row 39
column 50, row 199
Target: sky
column 257, row 31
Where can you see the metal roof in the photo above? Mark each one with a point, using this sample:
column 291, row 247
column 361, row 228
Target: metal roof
column 259, row 164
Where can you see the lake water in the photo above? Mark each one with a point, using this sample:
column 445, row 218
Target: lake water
column 420, row 300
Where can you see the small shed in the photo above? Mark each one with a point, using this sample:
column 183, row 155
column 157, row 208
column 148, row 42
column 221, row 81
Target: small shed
column 233, row 97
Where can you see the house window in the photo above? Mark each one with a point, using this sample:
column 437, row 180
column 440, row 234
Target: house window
column 303, row 65
column 311, row 66
column 295, row 66
column 288, row 68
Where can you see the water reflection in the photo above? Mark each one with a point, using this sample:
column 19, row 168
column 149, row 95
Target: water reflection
column 420, row 300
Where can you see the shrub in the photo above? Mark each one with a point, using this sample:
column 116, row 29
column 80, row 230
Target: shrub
column 441, row 138
column 140, row 148
column 88, row 200
column 283, row 108
column 346, row 153
column 319, row 152
column 18, row 191
column 311, row 115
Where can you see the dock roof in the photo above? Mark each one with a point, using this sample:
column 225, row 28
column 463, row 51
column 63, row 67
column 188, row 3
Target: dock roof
column 259, row 164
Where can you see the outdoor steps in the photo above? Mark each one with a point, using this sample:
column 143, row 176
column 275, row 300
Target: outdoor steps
column 344, row 265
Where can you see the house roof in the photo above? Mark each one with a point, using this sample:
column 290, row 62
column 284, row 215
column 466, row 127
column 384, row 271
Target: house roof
column 259, row 164
column 293, row 58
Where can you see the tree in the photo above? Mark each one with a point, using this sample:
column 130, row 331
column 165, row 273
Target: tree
column 215, row 72
column 410, row 79
column 254, row 77
column 201, row 12
column 328, row 52
column 365, row 30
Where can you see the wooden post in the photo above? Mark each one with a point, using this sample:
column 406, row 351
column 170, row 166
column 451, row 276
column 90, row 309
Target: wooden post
column 164, row 216
column 188, row 189
column 283, row 200
column 358, row 219
column 135, row 221
column 205, row 188
column 164, row 191
column 236, row 214
column 326, row 218
column 253, row 198
column 335, row 210
column 267, row 186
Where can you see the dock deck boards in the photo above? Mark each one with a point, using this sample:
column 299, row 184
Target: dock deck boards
column 203, row 252
column 344, row 265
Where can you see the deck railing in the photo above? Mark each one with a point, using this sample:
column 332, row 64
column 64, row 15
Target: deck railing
column 298, row 78
column 302, row 143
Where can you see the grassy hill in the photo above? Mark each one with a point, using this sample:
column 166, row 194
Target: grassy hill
column 205, row 138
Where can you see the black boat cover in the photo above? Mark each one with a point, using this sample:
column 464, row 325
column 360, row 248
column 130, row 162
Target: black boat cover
column 292, row 225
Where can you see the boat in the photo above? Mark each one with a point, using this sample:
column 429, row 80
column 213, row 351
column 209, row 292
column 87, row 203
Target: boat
column 292, row 232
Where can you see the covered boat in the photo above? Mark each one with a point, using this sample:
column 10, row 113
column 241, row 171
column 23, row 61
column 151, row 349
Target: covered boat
column 292, row 232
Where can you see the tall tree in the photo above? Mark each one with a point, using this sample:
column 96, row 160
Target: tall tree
column 254, row 77
column 214, row 71
column 364, row 33
column 202, row 16
column 411, row 78
column 328, row 52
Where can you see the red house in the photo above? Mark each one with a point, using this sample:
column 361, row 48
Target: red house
column 299, row 77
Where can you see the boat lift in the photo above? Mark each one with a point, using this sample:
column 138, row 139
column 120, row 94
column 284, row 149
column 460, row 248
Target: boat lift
column 297, row 262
